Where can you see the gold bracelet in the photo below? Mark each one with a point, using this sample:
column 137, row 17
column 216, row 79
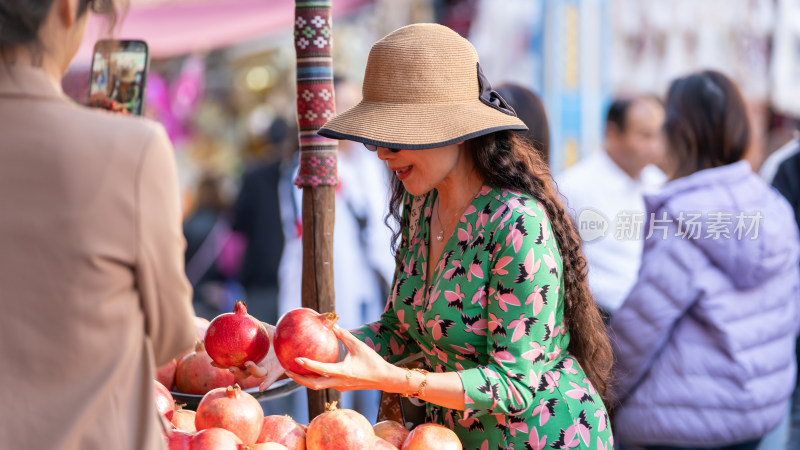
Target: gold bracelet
column 421, row 391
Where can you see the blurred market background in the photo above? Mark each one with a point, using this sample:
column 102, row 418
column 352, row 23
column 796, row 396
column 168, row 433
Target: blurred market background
column 222, row 71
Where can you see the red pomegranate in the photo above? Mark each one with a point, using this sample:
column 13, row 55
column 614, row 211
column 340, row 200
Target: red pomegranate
column 431, row 435
column 178, row 440
column 392, row 432
column 166, row 374
column 195, row 374
column 340, row 429
column 183, row 420
column 232, row 409
column 165, row 404
column 200, row 327
column 283, row 430
column 305, row 333
column 214, row 439
column 233, row 338
column 383, row 444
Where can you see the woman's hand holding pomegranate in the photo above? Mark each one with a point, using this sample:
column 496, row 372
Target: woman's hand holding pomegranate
column 269, row 366
column 362, row 368
column 307, row 345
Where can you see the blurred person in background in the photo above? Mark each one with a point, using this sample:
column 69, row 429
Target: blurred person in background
column 91, row 268
column 606, row 190
column 769, row 168
column 704, row 342
column 208, row 234
column 782, row 170
column 257, row 219
column 787, row 176
column 530, row 110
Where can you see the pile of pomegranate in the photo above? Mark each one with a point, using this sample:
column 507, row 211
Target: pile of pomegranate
column 227, row 417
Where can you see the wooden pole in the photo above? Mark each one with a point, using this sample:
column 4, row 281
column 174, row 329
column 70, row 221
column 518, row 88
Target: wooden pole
column 318, row 291
column 317, row 174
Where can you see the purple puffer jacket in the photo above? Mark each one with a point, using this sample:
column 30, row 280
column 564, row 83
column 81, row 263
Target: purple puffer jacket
column 705, row 340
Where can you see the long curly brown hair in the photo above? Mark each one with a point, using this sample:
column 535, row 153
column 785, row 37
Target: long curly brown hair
column 507, row 160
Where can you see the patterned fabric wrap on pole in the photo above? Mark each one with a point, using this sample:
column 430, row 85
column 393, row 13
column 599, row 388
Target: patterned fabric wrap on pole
column 315, row 104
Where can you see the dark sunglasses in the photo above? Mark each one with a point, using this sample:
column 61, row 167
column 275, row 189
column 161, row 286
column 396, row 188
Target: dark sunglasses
column 374, row 148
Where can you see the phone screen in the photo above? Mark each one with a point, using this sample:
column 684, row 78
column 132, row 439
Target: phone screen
column 119, row 75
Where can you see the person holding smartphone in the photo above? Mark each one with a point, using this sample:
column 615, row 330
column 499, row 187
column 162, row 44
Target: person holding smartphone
column 92, row 284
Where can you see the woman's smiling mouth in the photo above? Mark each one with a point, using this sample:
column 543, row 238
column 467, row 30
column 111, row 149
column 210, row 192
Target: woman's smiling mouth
column 402, row 172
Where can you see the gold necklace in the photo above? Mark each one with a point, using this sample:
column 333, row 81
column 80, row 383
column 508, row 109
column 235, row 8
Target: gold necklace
column 439, row 236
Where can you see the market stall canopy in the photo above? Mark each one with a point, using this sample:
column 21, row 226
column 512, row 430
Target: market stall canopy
column 176, row 27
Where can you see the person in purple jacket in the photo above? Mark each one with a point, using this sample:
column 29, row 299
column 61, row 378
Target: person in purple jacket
column 705, row 340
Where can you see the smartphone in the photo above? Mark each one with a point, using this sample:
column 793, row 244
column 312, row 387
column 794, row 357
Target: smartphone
column 119, row 75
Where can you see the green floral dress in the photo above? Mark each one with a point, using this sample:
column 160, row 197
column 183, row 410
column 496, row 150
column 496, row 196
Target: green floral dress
column 493, row 313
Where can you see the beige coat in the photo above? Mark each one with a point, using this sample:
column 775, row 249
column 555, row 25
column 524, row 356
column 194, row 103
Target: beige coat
column 92, row 290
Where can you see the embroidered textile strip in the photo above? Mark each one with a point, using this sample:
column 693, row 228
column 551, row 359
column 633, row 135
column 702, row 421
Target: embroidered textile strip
column 315, row 102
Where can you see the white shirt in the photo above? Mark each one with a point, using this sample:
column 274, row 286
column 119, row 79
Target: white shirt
column 608, row 206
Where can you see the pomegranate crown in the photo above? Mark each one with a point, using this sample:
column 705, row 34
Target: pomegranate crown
column 240, row 307
column 330, row 317
column 331, row 406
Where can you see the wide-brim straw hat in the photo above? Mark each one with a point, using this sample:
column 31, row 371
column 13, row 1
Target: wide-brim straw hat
column 423, row 88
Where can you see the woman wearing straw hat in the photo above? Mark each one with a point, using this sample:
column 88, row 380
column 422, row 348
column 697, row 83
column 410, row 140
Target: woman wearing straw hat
column 490, row 284
column 126, row 91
